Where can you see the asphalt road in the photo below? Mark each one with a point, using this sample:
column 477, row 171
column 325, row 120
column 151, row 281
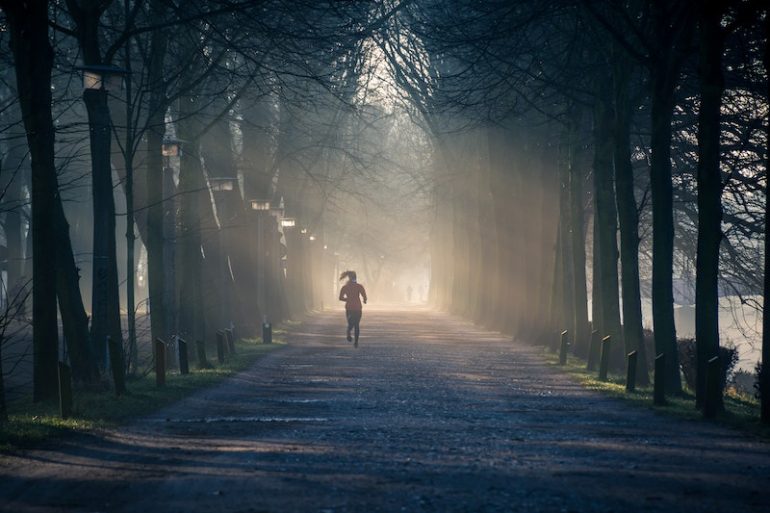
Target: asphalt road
column 429, row 414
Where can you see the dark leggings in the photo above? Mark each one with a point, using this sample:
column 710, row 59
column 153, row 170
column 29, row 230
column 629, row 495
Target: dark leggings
column 354, row 321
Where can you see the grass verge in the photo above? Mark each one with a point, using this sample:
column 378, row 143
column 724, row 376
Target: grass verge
column 741, row 411
column 31, row 424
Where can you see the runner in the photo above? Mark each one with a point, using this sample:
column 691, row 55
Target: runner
column 351, row 293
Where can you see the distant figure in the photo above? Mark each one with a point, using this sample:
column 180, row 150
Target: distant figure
column 351, row 293
column 408, row 293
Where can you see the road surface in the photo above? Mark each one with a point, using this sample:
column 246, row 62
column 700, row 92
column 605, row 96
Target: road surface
column 429, row 414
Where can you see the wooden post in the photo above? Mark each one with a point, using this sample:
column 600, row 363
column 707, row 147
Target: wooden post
column 712, row 403
column 267, row 333
column 659, row 390
column 221, row 346
column 65, row 390
column 631, row 372
column 604, row 360
column 184, row 367
column 230, row 336
column 593, row 350
column 563, row 345
column 160, row 362
column 118, row 364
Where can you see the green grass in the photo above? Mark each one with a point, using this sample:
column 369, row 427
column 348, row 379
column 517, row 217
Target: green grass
column 741, row 411
column 31, row 424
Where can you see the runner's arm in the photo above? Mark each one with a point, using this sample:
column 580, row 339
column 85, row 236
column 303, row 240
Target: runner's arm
column 363, row 293
column 342, row 295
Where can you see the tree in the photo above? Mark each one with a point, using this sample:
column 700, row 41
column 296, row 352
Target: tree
column 711, row 41
column 33, row 59
column 628, row 217
column 764, row 376
column 105, row 302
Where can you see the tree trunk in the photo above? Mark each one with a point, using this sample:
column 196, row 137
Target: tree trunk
column 661, row 190
column 15, row 173
column 157, row 287
column 580, row 327
column 764, row 376
column 33, row 58
column 237, row 233
column 105, row 302
column 567, row 252
column 128, row 181
column 460, row 250
column 73, row 315
column 193, row 197
column 542, row 188
column 605, row 213
column 474, row 238
column 664, row 74
column 490, row 277
column 709, row 197
column 628, row 216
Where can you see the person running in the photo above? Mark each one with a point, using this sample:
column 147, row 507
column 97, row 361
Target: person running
column 352, row 293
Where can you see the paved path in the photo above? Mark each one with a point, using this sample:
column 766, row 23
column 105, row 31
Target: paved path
column 429, row 414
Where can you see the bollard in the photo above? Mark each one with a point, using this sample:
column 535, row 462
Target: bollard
column 631, row 372
column 604, row 360
column 712, row 401
column 221, row 346
column 65, row 390
column 563, row 345
column 659, row 388
column 181, row 346
column 593, row 350
column 203, row 362
column 230, row 336
column 160, row 362
column 118, row 365
column 267, row 333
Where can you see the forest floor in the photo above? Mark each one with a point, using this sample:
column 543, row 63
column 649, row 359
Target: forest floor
column 429, row 414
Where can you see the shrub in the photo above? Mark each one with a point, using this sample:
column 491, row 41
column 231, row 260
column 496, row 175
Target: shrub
column 688, row 361
column 744, row 382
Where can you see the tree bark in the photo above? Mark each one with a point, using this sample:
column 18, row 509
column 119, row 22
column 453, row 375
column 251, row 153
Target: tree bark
column 157, row 287
column 628, row 217
column 73, row 314
column 542, row 188
column 105, row 302
column 709, row 196
column 664, row 74
column 33, row 58
column 193, row 198
column 15, row 173
column 764, row 376
column 567, row 252
column 580, row 326
column 605, row 214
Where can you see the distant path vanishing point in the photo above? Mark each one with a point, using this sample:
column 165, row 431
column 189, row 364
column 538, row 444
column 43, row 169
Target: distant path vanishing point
column 429, row 414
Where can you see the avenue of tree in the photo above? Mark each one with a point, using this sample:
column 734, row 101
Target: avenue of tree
column 570, row 160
